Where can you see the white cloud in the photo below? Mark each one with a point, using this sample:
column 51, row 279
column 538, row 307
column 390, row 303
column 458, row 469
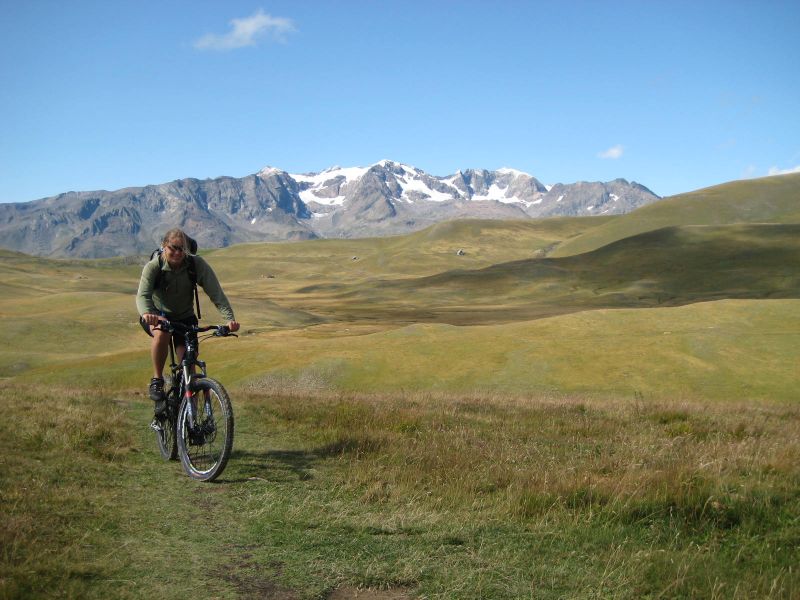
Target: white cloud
column 777, row 171
column 246, row 32
column 614, row 152
column 750, row 172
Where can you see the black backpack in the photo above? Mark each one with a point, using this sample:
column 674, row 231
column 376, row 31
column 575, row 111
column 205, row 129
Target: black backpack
column 191, row 251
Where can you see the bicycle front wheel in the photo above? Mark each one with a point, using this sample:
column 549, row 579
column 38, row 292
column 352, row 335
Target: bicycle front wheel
column 205, row 445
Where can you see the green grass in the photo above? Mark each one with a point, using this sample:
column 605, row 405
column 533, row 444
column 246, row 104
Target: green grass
column 435, row 495
column 667, row 267
column 720, row 351
column 766, row 200
column 506, row 423
column 426, row 252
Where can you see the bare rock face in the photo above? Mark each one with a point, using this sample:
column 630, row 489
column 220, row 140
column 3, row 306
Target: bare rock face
column 272, row 205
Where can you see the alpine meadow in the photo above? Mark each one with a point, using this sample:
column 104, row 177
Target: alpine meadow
column 567, row 407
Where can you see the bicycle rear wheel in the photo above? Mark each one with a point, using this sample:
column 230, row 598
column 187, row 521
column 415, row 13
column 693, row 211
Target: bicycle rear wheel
column 205, row 448
column 165, row 428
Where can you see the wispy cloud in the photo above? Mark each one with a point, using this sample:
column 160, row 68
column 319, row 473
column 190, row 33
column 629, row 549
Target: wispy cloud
column 750, row 172
column 777, row 171
column 613, row 153
column 247, row 31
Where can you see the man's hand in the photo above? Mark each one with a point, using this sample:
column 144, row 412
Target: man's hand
column 233, row 326
column 151, row 319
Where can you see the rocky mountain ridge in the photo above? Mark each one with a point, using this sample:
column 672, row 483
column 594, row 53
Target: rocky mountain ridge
column 386, row 198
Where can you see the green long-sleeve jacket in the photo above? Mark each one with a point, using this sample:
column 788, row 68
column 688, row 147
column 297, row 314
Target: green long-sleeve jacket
column 175, row 296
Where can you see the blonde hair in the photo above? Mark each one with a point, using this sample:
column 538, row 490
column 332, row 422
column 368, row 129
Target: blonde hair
column 173, row 233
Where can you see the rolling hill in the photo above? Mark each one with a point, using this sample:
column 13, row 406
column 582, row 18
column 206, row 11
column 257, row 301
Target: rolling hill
column 667, row 267
column 765, row 200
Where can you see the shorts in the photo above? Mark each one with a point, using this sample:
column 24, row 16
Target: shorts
column 178, row 338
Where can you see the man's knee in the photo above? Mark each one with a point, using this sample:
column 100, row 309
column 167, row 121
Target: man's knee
column 161, row 338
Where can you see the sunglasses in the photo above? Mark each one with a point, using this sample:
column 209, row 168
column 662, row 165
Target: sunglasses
column 176, row 248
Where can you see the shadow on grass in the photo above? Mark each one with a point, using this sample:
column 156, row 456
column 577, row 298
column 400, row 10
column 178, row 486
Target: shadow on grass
column 296, row 465
column 279, row 466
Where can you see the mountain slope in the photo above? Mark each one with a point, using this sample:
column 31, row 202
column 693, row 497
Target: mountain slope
column 766, row 200
column 392, row 198
column 272, row 205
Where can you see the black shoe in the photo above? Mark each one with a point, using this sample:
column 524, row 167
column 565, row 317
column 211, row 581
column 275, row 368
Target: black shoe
column 157, row 395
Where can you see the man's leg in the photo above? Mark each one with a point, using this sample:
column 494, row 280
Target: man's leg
column 159, row 348
column 179, row 352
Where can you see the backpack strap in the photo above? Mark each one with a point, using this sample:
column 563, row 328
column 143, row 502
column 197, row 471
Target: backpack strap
column 159, row 274
column 190, row 264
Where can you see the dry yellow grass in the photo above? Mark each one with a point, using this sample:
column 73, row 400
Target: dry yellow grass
column 524, row 456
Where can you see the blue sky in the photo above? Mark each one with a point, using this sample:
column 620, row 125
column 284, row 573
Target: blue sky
column 674, row 95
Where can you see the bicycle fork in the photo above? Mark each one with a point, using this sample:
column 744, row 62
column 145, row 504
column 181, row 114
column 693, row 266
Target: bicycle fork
column 198, row 432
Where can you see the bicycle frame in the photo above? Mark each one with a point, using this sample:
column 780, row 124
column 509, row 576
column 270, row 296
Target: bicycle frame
column 183, row 373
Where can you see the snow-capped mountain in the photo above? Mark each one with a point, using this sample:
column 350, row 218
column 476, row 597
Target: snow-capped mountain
column 385, row 198
column 411, row 185
column 391, row 197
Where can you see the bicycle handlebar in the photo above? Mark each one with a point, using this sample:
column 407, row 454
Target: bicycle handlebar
column 219, row 330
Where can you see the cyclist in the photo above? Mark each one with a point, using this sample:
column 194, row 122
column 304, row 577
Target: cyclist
column 166, row 290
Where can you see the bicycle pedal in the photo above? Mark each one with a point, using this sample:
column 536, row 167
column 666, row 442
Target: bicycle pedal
column 156, row 426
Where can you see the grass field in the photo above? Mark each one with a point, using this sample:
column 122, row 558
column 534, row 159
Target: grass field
column 429, row 495
column 506, row 422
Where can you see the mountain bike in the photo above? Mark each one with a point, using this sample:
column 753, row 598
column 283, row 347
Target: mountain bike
column 197, row 424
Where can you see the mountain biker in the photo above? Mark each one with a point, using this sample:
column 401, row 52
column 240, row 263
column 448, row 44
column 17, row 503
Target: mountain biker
column 170, row 295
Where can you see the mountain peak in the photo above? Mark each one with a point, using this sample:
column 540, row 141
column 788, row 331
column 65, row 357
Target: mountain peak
column 514, row 172
column 393, row 164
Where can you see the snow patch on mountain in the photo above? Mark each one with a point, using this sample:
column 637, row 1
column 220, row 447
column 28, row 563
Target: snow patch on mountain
column 417, row 185
column 309, row 196
column 267, row 171
column 349, row 174
column 514, row 172
column 326, row 188
column 495, row 192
